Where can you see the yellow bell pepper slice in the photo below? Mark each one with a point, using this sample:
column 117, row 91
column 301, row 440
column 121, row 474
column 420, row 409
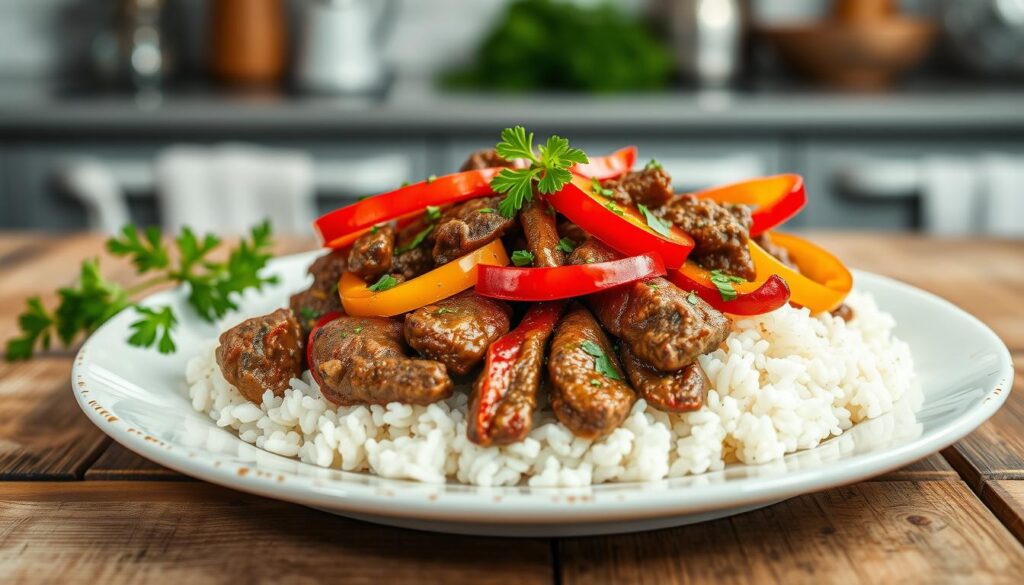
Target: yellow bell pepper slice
column 440, row 283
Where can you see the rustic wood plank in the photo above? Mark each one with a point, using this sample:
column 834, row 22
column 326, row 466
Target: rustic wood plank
column 134, row 532
column 1005, row 497
column 118, row 463
column 934, row 467
column 996, row 449
column 873, row 532
column 43, row 434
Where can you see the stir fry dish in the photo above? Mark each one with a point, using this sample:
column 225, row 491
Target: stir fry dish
column 543, row 276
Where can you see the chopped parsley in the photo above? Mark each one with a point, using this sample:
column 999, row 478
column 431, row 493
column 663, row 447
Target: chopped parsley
column 614, row 208
column 357, row 329
column 654, row 222
column 566, row 245
column 596, row 383
column 416, row 241
column 384, row 283
column 549, row 169
column 433, row 213
column 599, row 189
column 444, row 310
column 431, row 179
column 486, row 210
column 602, row 363
column 724, row 283
column 308, row 314
column 405, row 184
column 375, row 229
column 691, row 298
column 522, row 258
column 653, row 164
column 653, row 284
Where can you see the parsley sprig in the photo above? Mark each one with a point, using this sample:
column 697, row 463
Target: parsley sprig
column 602, row 363
column 724, row 283
column 92, row 299
column 654, row 222
column 549, row 169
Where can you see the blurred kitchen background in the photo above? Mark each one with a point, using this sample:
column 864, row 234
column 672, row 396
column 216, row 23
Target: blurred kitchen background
column 900, row 115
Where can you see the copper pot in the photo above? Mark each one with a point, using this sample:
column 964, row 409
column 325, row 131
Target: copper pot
column 247, row 41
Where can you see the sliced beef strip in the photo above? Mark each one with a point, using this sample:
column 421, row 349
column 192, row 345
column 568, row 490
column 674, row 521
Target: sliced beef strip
column 654, row 318
column 322, row 296
column 408, row 263
column 262, row 353
column 679, row 391
column 585, row 400
column 458, row 330
column 484, row 159
column 568, row 229
column 362, row 360
column 538, row 220
column 651, row 187
column 372, row 253
column 513, row 415
column 468, row 226
column 720, row 232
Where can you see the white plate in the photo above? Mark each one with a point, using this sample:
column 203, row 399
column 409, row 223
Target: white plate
column 139, row 398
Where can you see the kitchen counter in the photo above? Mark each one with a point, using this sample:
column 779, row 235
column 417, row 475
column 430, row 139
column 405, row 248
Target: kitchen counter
column 76, row 507
column 415, row 106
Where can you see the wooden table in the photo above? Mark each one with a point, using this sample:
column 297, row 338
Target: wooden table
column 75, row 507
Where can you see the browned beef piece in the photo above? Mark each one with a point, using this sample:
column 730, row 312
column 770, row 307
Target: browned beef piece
column 679, row 391
column 781, row 254
column 538, row 220
column 844, row 312
column 568, row 229
column 458, row 330
column 262, row 353
column 585, row 400
column 362, row 360
column 371, row 255
column 484, row 159
column 720, row 232
column 651, row 187
column 654, row 318
column 322, row 296
column 468, row 226
column 411, row 261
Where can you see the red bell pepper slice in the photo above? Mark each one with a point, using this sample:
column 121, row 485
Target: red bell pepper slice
column 612, row 166
column 752, row 298
column 341, row 226
column 776, row 199
column 496, row 378
column 564, row 282
column 323, row 320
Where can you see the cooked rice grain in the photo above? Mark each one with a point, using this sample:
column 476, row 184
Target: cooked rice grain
column 784, row 381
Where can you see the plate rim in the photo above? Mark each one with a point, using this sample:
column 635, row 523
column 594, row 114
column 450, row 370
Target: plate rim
column 545, row 505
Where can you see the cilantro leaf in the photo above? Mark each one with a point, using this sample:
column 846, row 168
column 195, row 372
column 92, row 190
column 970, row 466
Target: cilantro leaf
column 724, row 283
column 557, row 153
column 515, row 143
column 36, row 328
column 384, row 283
column 433, row 213
column 154, row 327
column 566, row 245
column 416, row 241
column 146, row 252
column 602, row 363
column 522, row 257
column 518, row 186
column 654, row 222
column 88, row 304
column 553, row 180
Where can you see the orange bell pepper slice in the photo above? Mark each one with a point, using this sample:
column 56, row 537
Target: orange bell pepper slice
column 821, row 284
column 440, row 283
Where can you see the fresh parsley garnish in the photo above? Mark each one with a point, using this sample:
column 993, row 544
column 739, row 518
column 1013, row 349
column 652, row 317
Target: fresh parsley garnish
column 375, row 229
column 357, row 329
column 485, row 210
column 566, row 245
column 444, row 310
column 602, row 363
column 653, row 284
column 433, row 213
column 384, row 283
column 614, row 208
column 691, row 298
column 431, row 179
column 724, row 283
column 599, row 189
column 596, row 383
column 416, row 241
column 653, row 164
column 550, row 170
column 308, row 314
column 654, row 222
column 522, row 257
column 92, row 300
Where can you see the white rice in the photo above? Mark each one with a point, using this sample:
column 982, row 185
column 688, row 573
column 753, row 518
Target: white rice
column 782, row 382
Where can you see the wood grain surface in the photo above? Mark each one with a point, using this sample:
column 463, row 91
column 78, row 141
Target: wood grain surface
column 952, row 517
